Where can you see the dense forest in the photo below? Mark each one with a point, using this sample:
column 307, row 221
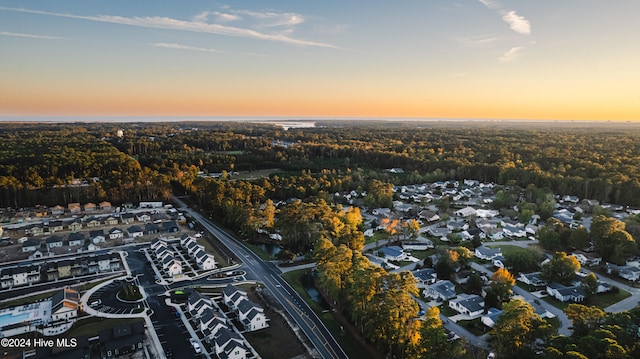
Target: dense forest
column 260, row 178
column 587, row 161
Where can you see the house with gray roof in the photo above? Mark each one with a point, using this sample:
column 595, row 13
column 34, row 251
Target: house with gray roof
column 441, row 291
column 469, row 304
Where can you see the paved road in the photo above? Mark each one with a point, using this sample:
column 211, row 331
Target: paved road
column 269, row 275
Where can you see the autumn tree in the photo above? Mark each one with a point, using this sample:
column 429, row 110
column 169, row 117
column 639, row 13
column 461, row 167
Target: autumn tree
column 517, row 329
column 501, row 284
column 561, row 268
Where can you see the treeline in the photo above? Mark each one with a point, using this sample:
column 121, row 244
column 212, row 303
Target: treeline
column 61, row 164
column 381, row 305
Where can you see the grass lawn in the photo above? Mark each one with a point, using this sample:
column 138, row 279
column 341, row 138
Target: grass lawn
column 423, row 254
column 555, row 322
column 606, row 299
column 259, row 251
column 475, row 326
column 249, row 175
column 349, row 344
column 380, row 236
column 508, row 250
column 556, row 303
column 447, row 311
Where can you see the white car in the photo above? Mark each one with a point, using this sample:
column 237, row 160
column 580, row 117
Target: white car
column 195, row 345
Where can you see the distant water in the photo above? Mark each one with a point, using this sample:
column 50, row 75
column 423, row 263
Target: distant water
column 298, row 122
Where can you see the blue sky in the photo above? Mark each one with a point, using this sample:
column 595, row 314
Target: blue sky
column 459, row 59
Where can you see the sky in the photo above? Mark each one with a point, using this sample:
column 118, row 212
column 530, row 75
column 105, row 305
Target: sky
column 471, row 59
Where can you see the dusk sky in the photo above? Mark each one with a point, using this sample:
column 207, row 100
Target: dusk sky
column 496, row 59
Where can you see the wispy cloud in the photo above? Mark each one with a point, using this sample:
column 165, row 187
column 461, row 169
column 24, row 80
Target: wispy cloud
column 477, row 41
column 199, row 49
column 31, row 36
column 516, row 22
column 181, row 25
column 512, row 54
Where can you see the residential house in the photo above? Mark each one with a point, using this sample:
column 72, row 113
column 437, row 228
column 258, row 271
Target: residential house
column 127, row 218
column 491, row 318
column 30, row 245
column 393, row 253
column 110, row 220
column 486, row 253
column 229, row 345
column 57, row 210
column 564, row 293
column 74, row 208
column 54, row 242
column 421, row 245
column 204, row 260
column 76, row 239
column 97, row 236
column 135, row 231
column 90, row 207
column 513, row 231
column 35, row 230
column 457, row 226
column 499, row 262
column 465, row 212
column 251, row 315
column 75, row 224
column 65, row 304
column 232, row 296
column 210, row 325
column 425, row 277
column 54, row 226
column 172, row 266
column 469, row 304
column 105, row 206
column 170, row 226
column 143, row 217
column 122, row 340
column 438, row 232
column 533, row 279
column 627, row 272
column 197, row 302
column 441, row 291
column 92, row 222
column 116, row 233
column 151, row 228
column 429, row 216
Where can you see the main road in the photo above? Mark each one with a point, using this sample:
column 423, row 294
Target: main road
column 269, row 275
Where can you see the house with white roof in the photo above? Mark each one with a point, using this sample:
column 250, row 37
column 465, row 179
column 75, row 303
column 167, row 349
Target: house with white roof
column 533, row 279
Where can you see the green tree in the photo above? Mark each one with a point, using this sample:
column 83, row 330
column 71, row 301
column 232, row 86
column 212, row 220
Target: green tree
column 602, row 230
column 590, row 284
column 579, row 238
column 584, row 318
column 549, row 238
column 517, row 329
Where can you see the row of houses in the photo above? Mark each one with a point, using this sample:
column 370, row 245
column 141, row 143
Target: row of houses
column 53, row 270
column 73, row 208
column 204, row 260
column 96, row 236
column 76, row 224
column 171, row 266
column 217, row 329
column 250, row 314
